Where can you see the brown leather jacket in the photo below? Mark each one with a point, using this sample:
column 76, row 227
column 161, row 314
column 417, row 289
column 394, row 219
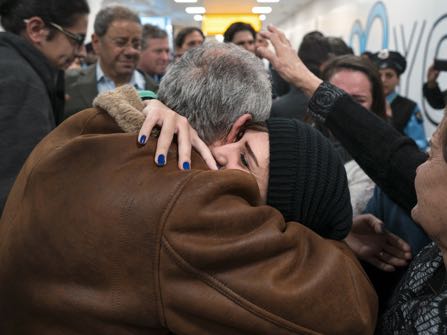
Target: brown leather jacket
column 95, row 239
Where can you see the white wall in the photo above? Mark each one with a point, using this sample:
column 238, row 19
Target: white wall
column 417, row 29
column 95, row 6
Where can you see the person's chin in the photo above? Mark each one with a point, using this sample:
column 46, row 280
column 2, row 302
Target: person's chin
column 127, row 68
column 65, row 65
column 415, row 213
column 127, row 64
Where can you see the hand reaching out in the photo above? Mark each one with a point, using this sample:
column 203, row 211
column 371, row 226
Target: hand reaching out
column 377, row 246
column 432, row 76
column 286, row 61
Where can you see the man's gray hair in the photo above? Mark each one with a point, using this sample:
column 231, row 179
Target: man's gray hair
column 112, row 13
column 214, row 84
column 151, row 31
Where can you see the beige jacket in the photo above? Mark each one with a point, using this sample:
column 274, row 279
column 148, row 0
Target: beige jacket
column 96, row 239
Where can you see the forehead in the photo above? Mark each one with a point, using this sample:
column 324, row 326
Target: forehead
column 388, row 70
column 158, row 42
column 80, row 25
column 258, row 142
column 195, row 35
column 352, row 82
column 243, row 35
column 124, row 28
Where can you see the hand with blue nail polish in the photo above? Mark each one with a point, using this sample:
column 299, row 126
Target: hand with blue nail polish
column 173, row 124
column 161, row 161
column 142, row 139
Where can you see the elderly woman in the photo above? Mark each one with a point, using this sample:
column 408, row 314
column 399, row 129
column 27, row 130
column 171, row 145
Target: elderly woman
column 397, row 165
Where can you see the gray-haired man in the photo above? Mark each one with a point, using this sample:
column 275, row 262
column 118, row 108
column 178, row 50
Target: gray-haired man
column 117, row 42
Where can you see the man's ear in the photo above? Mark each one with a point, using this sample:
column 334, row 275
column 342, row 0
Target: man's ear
column 36, row 30
column 95, row 43
column 237, row 126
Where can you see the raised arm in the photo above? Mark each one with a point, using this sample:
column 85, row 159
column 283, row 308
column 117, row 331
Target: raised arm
column 388, row 157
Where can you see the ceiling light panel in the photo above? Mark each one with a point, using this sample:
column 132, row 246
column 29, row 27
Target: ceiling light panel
column 261, row 10
column 195, row 10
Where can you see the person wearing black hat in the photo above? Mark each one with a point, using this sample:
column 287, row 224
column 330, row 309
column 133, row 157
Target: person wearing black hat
column 406, row 115
column 298, row 172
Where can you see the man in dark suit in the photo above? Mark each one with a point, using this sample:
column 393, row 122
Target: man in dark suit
column 117, row 42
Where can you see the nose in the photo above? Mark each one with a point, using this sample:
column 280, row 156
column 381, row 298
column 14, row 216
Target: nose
column 165, row 56
column 131, row 51
column 227, row 155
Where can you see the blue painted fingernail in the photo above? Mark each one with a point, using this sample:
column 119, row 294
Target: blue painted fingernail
column 186, row 166
column 142, row 139
column 161, row 160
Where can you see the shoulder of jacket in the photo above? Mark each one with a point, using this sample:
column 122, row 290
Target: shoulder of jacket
column 405, row 101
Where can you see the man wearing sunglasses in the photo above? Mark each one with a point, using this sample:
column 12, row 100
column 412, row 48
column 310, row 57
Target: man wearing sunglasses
column 41, row 38
column 117, row 42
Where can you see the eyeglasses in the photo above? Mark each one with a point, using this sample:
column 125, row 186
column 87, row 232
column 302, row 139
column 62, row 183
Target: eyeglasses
column 78, row 38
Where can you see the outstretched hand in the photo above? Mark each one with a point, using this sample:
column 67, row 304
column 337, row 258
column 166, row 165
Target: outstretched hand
column 432, row 76
column 286, row 61
column 171, row 123
column 377, row 246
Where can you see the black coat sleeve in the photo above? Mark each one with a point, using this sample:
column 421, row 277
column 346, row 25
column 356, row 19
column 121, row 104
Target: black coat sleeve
column 387, row 156
column 434, row 96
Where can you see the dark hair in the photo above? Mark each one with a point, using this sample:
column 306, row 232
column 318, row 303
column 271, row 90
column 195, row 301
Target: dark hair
column 235, row 28
column 64, row 13
column 314, row 51
column 180, row 38
column 356, row 63
column 367, row 55
column 110, row 14
column 151, row 31
column 313, row 33
column 89, row 47
column 260, row 126
column 339, row 47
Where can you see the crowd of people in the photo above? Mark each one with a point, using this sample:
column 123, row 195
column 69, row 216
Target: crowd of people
column 242, row 187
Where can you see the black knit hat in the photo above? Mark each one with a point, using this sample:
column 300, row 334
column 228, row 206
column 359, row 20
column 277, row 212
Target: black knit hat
column 390, row 59
column 307, row 181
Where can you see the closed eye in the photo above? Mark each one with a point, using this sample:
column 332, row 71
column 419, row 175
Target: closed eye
column 244, row 161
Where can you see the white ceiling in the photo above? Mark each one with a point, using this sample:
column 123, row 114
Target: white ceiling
column 179, row 17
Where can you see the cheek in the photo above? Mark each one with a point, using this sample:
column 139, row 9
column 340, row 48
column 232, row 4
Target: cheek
column 422, row 186
column 366, row 104
column 262, row 178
